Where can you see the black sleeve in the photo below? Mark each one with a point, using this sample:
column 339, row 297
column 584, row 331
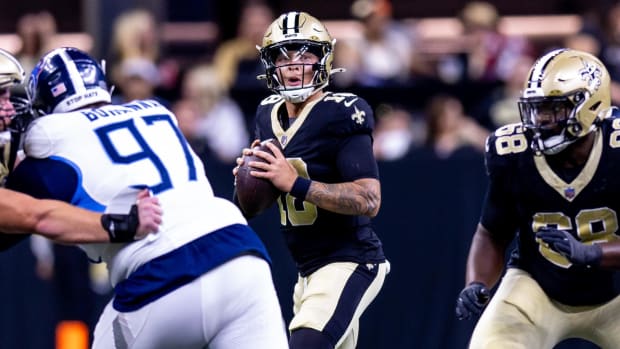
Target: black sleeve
column 499, row 211
column 356, row 160
column 9, row 240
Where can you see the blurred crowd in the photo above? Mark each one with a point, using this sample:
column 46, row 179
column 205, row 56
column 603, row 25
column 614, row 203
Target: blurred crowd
column 214, row 95
column 465, row 93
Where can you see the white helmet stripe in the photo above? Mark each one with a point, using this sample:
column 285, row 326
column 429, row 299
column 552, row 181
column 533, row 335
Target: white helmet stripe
column 536, row 77
column 74, row 74
column 290, row 22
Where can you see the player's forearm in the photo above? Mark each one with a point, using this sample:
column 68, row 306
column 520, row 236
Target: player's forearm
column 611, row 255
column 486, row 259
column 64, row 223
column 361, row 197
column 58, row 221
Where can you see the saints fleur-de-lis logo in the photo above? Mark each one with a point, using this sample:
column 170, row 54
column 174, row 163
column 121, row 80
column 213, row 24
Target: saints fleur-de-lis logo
column 358, row 116
column 591, row 73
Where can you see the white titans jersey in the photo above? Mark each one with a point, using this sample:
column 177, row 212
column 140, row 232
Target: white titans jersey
column 118, row 147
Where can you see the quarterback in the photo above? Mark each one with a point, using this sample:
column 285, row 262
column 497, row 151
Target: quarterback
column 329, row 177
column 554, row 182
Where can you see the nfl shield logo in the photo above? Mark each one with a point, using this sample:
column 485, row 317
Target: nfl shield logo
column 569, row 192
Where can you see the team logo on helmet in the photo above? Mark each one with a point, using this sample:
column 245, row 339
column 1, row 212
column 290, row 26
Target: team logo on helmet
column 591, row 73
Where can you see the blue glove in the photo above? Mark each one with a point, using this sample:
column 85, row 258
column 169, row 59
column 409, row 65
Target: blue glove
column 472, row 300
column 565, row 244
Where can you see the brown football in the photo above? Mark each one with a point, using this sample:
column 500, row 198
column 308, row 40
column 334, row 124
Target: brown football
column 255, row 194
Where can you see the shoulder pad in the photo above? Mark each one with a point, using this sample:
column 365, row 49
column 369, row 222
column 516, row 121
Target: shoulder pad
column 272, row 99
column 350, row 114
column 609, row 128
column 266, row 105
column 41, row 137
column 614, row 112
column 504, row 146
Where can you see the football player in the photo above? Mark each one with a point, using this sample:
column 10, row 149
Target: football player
column 204, row 279
column 329, row 178
column 21, row 215
column 553, row 182
column 11, row 75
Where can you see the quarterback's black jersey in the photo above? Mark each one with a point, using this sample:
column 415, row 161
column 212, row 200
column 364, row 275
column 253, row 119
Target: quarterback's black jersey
column 525, row 193
column 314, row 144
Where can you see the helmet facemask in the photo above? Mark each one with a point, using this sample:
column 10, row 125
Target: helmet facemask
column 293, row 51
column 552, row 121
column 23, row 114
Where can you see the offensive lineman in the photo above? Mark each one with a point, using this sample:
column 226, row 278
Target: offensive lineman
column 554, row 181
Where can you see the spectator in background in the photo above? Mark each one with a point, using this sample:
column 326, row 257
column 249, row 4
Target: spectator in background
column 209, row 117
column 610, row 54
column 137, row 79
column 490, row 54
column 449, row 129
column 499, row 107
column 136, row 36
column 383, row 55
column 36, row 31
column 583, row 41
column 610, row 50
column 394, row 133
column 237, row 60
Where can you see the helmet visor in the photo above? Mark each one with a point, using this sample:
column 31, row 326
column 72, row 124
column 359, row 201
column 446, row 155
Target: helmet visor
column 546, row 116
column 292, row 50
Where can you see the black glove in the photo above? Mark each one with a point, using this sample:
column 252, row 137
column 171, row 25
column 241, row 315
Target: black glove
column 565, row 244
column 121, row 227
column 472, row 300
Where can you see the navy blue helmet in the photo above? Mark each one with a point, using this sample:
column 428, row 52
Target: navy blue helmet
column 67, row 79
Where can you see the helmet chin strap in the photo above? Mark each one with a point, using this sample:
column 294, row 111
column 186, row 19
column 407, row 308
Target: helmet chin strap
column 554, row 145
column 302, row 94
column 299, row 95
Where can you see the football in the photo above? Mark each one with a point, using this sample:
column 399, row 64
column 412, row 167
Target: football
column 255, row 194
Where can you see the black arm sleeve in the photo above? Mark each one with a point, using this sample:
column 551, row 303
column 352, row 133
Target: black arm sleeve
column 498, row 213
column 355, row 159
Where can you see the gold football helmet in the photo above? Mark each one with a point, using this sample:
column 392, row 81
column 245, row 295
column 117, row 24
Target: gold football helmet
column 11, row 72
column 567, row 92
column 300, row 32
